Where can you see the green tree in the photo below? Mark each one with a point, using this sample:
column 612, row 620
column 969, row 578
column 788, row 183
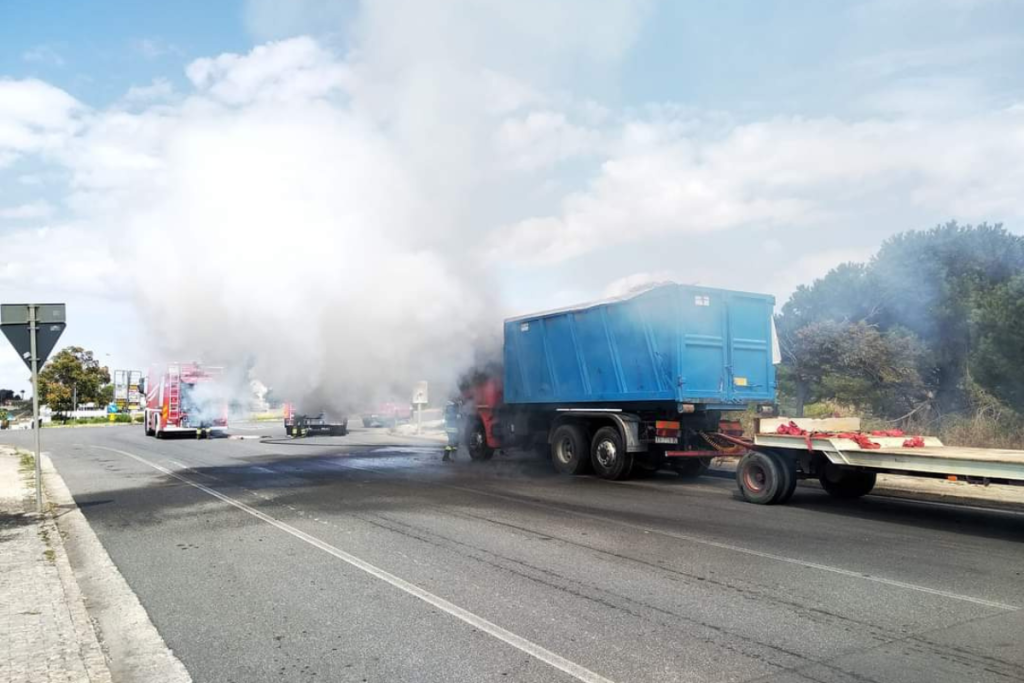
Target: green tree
column 931, row 282
column 857, row 364
column 72, row 373
column 997, row 360
column 941, row 296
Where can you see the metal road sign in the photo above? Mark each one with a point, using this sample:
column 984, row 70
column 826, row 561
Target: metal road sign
column 419, row 394
column 34, row 330
column 50, row 324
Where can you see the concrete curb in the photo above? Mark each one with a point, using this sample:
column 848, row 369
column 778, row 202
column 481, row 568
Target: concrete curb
column 88, row 642
column 135, row 651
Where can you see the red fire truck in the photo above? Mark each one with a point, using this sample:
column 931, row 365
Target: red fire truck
column 184, row 398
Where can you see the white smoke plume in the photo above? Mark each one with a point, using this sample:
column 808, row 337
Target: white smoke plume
column 318, row 217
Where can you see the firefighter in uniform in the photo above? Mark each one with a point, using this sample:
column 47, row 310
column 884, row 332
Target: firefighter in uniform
column 453, row 427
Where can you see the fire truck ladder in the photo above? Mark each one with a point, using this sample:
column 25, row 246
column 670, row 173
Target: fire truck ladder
column 173, row 392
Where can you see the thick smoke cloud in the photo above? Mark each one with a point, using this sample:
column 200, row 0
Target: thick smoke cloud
column 270, row 223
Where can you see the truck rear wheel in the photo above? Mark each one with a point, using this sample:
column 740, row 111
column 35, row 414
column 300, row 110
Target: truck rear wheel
column 569, row 451
column 476, row 442
column 844, row 483
column 761, row 478
column 608, row 454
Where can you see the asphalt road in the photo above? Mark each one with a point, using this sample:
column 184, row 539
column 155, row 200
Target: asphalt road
column 360, row 559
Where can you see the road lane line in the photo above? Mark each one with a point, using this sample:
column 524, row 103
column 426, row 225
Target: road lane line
column 717, row 544
column 529, row 647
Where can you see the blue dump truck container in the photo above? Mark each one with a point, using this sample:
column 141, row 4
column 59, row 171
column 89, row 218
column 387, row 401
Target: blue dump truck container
column 641, row 381
column 673, row 343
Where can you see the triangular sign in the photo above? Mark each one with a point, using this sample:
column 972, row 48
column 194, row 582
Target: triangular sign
column 46, row 338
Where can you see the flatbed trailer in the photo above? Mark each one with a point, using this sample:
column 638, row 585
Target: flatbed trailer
column 847, row 461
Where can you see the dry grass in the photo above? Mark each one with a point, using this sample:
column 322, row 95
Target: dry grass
column 982, row 430
column 988, row 426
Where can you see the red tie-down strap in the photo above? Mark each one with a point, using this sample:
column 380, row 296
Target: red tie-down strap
column 861, row 439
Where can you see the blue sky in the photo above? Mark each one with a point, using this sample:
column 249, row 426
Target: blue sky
column 533, row 154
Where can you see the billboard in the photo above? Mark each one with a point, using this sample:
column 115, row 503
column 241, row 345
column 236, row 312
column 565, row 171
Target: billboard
column 121, row 389
column 134, row 382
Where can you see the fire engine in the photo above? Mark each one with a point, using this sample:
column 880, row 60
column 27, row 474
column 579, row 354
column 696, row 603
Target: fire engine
column 183, row 398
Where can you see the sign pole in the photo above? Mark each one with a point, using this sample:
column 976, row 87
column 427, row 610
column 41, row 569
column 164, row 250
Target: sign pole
column 36, row 426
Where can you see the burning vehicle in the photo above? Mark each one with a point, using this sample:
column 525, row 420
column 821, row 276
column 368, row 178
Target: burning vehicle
column 299, row 424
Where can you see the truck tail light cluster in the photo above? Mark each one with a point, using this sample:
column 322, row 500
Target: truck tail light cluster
column 666, row 429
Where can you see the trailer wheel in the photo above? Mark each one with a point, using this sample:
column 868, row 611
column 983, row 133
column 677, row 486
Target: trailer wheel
column 690, row 467
column 845, row 483
column 760, row 478
column 569, row 451
column 789, row 479
column 608, row 455
column 476, row 442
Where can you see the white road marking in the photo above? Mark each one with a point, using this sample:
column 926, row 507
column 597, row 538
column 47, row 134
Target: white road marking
column 529, row 647
column 724, row 546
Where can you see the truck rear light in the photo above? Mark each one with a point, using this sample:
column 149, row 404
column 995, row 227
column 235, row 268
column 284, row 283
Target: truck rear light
column 666, row 428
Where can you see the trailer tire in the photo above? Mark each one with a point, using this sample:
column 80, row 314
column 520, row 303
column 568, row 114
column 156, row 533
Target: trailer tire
column 689, row 468
column 788, row 468
column 569, row 452
column 608, row 455
column 844, row 483
column 760, row 478
column 476, row 442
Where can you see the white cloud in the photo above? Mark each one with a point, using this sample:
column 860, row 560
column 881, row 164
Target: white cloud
column 542, row 138
column 31, row 211
column 784, row 172
column 159, row 89
column 43, row 54
column 293, row 69
column 34, row 117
